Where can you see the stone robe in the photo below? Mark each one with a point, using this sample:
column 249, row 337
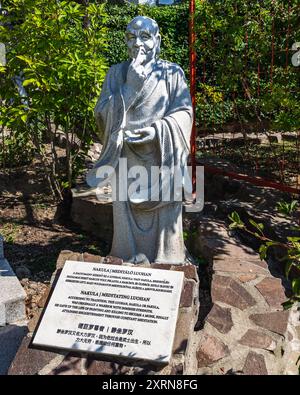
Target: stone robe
column 145, row 230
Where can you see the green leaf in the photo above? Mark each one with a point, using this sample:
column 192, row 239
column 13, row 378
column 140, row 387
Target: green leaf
column 185, row 235
column 30, row 81
column 288, row 267
column 272, row 243
column 24, row 118
column 25, row 58
column 64, row 184
column 234, row 225
column 258, row 226
column 294, row 239
column 287, row 209
column 263, row 251
column 296, row 286
column 235, row 218
column 294, row 205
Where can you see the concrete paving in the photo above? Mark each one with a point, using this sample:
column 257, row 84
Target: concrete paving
column 10, row 339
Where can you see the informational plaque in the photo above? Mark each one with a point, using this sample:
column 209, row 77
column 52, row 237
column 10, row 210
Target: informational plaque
column 113, row 310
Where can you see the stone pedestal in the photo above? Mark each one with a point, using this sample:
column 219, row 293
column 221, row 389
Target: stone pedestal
column 12, row 295
column 12, row 313
column 94, row 215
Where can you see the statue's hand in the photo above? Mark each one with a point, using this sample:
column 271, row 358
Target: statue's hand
column 139, row 136
column 136, row 75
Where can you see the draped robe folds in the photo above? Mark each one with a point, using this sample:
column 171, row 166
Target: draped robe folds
column 146, row 230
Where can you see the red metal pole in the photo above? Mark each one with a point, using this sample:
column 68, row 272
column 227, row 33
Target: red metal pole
column 258, row 78
column 192, row 39
column 273, row 46
column 287, row 37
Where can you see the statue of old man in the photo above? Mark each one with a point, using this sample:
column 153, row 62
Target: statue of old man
column 144, row 119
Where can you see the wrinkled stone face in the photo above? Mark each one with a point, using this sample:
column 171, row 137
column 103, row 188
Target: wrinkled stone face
column 140, row 37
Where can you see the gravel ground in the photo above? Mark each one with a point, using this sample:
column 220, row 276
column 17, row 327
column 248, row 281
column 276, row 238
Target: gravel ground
column 33, row 236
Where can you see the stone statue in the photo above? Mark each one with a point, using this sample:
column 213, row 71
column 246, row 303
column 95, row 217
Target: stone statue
column 144, row 117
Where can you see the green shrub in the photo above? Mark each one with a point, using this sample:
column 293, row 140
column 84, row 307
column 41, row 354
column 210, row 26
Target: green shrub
column 16, row 151
column 233, row 38
column 58, row 49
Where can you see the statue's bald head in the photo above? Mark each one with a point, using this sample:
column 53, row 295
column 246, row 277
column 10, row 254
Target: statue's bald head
column 145, row 23
column 143, row 32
